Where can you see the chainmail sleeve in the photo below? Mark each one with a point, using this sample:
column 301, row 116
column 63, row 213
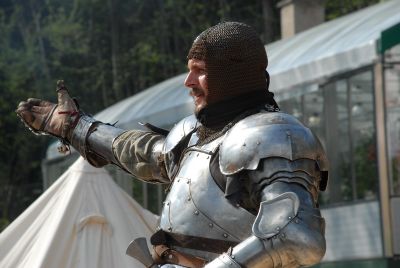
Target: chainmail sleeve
column 140, row 153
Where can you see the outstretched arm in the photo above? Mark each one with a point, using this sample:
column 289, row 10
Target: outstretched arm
column 137, row 152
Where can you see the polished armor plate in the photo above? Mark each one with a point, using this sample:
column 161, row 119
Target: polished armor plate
column 196, row 206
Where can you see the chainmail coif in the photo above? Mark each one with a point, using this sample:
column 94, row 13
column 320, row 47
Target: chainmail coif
column 235, row 60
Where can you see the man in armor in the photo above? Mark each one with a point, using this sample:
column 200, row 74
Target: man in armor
column 243, row 177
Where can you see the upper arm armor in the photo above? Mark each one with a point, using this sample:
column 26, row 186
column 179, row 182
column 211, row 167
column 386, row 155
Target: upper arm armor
column 270, row 135
column 288, row 232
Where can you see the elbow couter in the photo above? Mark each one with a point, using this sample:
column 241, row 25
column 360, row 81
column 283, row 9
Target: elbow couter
column 308, row 245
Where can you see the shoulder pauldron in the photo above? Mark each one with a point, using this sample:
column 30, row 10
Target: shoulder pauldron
column 176, row 142
column 266, row 135
column 179, row 132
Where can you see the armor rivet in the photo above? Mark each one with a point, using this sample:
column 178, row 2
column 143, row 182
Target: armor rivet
column 278, row 228
column 210, row 225
column 169, row 228
column 196, row 212
column 258, row 143
column 289, row 218
column 225, row 235
column 188, row 181
column 158, row 228
column 179, row 180
column 167, row 203
column 244, row 144
column 283, row 235
column 208, row 157
column 188, row 199
column 170, row 256
column 233, row 256
column 296, row 221
column 197, row 154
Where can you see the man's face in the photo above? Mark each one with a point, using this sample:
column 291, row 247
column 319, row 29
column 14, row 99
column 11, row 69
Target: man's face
column 196, row 80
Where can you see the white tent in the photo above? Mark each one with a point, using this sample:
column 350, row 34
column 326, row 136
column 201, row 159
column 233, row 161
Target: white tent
column 83, row 220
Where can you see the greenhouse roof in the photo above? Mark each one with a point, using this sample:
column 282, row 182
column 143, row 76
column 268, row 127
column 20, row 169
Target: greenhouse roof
column 332, row 48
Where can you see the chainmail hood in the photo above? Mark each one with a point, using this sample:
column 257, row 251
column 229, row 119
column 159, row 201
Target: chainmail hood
column 235, row 60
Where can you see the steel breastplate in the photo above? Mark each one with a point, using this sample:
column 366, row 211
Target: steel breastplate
column 196, row 206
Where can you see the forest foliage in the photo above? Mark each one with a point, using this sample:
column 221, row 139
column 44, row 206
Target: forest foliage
column 105, row 50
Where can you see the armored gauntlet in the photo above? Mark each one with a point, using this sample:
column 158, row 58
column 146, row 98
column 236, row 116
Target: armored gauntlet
column 64, row 121
column 46, row 118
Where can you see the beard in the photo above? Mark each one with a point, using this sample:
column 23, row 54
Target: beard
column 196, row 94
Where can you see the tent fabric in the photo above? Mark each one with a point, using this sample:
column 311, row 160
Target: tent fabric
column 83, row 220
column 296, row 64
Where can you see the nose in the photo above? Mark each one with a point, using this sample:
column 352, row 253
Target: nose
column 190, row 80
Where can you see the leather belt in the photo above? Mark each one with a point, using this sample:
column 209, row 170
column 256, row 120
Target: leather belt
column 192, row 242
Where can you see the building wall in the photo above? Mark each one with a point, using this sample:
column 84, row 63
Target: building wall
column 353, row 232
